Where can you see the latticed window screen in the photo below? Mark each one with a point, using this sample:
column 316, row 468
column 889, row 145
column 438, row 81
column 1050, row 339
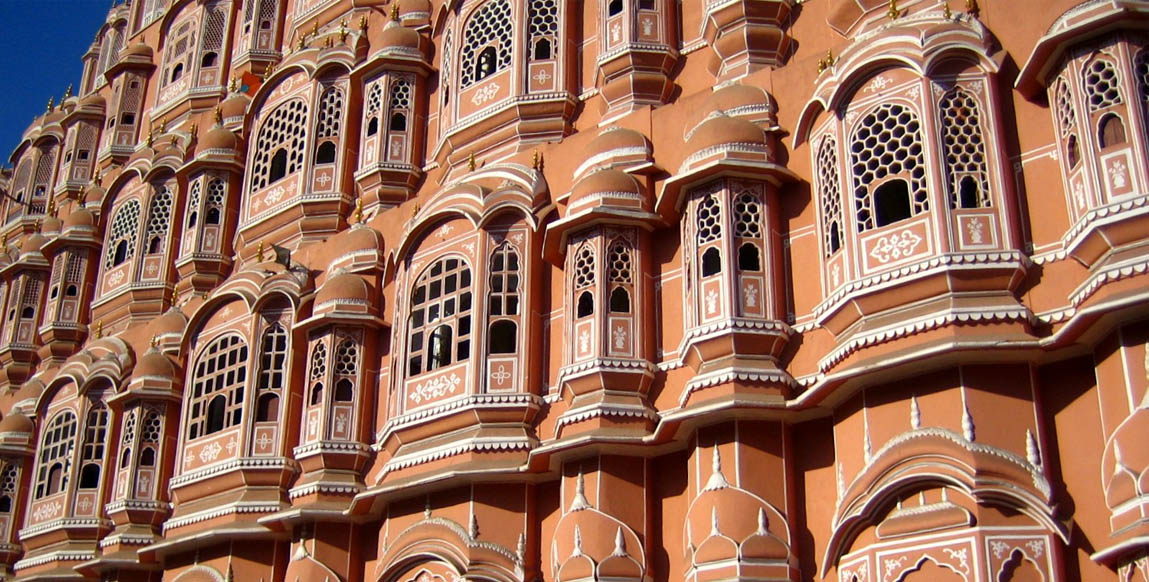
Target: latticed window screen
column 273, row 357
column 544, row 27
column 159, row 217
column 887, row 142
column 621, row 262
column 193, row 203
column 216, row 197
column 964, row 145
column 374, row 100
column 440, row 324
column 709, row 219
column 213, row 31
column 95, row 433
column 487, row 42
column 109, row 49
column 347, row 358
column 9, row 482
column 285, row 129
column 217, row 393
column 153, row 426
column 31, row 296
column 318, row 368
column 400, row 94
column 55, row 454
column 128, row 436
column 584, row 267
column 1102, row 85
column 503, row 298
column 330, row 113
column 748, row 215
column 831, row 196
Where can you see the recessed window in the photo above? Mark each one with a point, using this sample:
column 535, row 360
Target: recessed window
column 892, row 202
column 267, row 409
column 503, row 338
column 278, row 165
column 748, row 258
column 217, row 393
column 485, row 65
column 372, row 127
column 585, row 304
column 440, row 321
column 968, row 192
column 325, row 154
column 1112, row 131
column 344, row 392
column 208, row 60
column 614, row 8
column 1071, row 152
column 177, row 72
column 542, row 49
column 90, row 476
column 619, row 300
column 711, row 262
column 398, row 122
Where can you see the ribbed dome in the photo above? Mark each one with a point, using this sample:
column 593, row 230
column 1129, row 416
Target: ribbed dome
column 720, row 130
column 218, row 138
column 359, row 238
column 396, row 35
column 16, row 422
column 138, row 50
column 171, row 322
column 93, row 100
column 734, row 99
column 79, row 218
column 153, row 363
column 234, row 106
column 604, row 185
column 343, row 288
column 33, row 243
column 94, row 194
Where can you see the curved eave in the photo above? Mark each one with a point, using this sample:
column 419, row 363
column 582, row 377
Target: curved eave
column 1100, row 20
column 555, row 239
column 670, row 199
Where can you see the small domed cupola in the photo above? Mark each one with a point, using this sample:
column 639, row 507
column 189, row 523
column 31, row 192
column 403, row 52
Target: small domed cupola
column 617, row 148
column 17, row 433
column 345, row 294
column 610, row 196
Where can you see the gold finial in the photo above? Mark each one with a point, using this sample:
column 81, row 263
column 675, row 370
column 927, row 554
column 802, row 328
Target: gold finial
column 972, row 7
column 359, row 210
column 173, row 141
column 175, row 298
column 471, row 162
column 151, row 137
column 233, row 86
column 51, row 104
column 270, row 70
column 363, row 23
column 415, row 210
column 39, row 224
column 68, row 91
column 218, row 115
column 193, row 129
column 302, row 43
column 395, row 12
column 893, row 13
column 96, row 177
column 343, row 30
column 52, row 206
column 99, row 333
column 259, row 252
column 155, row 341
column 535, row 160
column 163, row 125
column 4, row 242
column 315, row 28
column 329, row 42
column 946, row 13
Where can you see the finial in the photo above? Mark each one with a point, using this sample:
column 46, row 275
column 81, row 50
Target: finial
column 427, row 508
column 175, row 297
column 315, row 28
column 51, row 104
column 99, row 333
column 967, row 427
column 1032, row 452
column 4, row 242
column 714, row 521
column 619, row 543
column 536, row 160
column 343, row 30
column 915, row 413
column 946, row 12
column 302, row 43
column 893, row 13
column 521, row 547
column 39, row 224
column 151, row 138
column 972, row 8
column 363, row 23
column 193, row 129
column 717, row 479
column 329, row 42
column 96, row 177
column 359, row 210
column 579, row 502
column 163, row 125
column 577, row 550
column 155, row 342
column 395, row 12
column 763, row 523
column 471, row 162
column 218, row 115
column 68, row 91
column 51, row 206
column 173, row 141
column 233, row 86
column 259, row 252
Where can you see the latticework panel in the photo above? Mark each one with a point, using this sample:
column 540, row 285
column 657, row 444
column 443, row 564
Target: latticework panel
column 964, row 145
column 284, row 128
column 490, row 26
column 887, row 142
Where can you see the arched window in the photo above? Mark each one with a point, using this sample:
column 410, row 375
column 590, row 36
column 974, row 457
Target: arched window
column 614, row 8
column 123, row 235
column 749, row 258
column 1111, row 131
column 1066, row 122
column 318, row 373
column 267, row 409
column 709, row 224
column 316, row 397
column 159, row 217
column 216, row 199
column 619, row 300
column 503, row 297
column 211, row 38
column 55, row 454
column 748, row 217
column 193, row 204
column 439, row 329
column 344, row 392
column 9, row 486
column 1102, row 86
column 585, row 304
column 328, row 124
column 831, row 196
column 272, row 357
column 711, row 262
column 279, row 145
column 216, row 400
column 325, row 153
column 504, row 337
column 964, row 149
column 95, row 437
column 584, row 278
column 544, row 28
column 887, row 142
column 487, row 41
column 620, row 275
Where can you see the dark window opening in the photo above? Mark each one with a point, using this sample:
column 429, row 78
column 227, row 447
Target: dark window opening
column 440, row 347
column 1112, row 131
column 619, row 300
column 614, row 8
column 504, row 336
column 398, row 122
column 373, row 126
column 325, row 154
column 542, row 49
column 127, row 119
column 215, row 414
column 125, row 458
column 485, row 65
column 265, row 25
column 748, row 258
column 71, row 291
column 1071, row 151
column 55, row 292
column 192, row 219
column 155, row 245
column 148, row 458
column 268, row 408
column 316, row 394
column 28, row 312
column 711, row 262
column 968, row 195
column 213, row 216
column 177, row 72
column 892, row 202
column 55, row 478
column 5, row 504
column 835, row 237
column 83, row 155
column 208, row 60
column 90, row 476
column 646, row 4
column 344, row 391
column 585, row 304
column 278, row 165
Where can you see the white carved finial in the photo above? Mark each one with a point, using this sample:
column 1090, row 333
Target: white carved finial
column 763, row 528
column 945, row 494
column 915, row 413
column 967, row 427
column 474, row 527
column 521, row 547
column 1032, row 453
column 427, row 508
column 619, row 543
column 300, row 552
column 717, row 479
column 841, row 481
column 714, row 521
column 579, row 502
column 577, row 551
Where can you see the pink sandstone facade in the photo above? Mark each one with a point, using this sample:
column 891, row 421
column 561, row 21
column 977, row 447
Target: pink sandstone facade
column 557, row 291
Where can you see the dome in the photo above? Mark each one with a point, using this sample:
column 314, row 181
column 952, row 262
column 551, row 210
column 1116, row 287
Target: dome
column 93, row 100
column 33, row 243
column 721, row 130
column 359, row 238
column 173, row 321
column 616, row 138
column 605, row 187
column 344, row 288
column 79, row 218
column 737, row 100
column 137, row 50
column 397, row 36
column 51, row 224
column 16, row 422
column 31, row 390
column 234, row 106
column 218, row 138
column 94, row 194
column 414, row 9
column 155, row 364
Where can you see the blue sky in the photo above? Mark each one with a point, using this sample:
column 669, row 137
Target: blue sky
column 41, row 42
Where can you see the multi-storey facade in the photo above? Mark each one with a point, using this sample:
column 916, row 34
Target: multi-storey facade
column 544, row 290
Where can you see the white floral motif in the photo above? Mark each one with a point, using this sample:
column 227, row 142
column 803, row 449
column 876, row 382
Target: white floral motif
column 47, row 511
column 999, row 548
column 116, row 278
column 975, row 228
column 895, row 246
column 445, row 230
column 542, row 77
column 615, row 32
column 751, row 295
column 619, row 337
column 914, row 92
column 1118, row 174
column 85, row 504
column 1079, row 195
column 434, row 388
column 517, row 237
column 501, row 375
column 880, row 82
column 470, row 248
column 210, row 452
column 231, row 446
column 275, row 195
column 711, row 302
column 263, row 441
column 836, row 274
column 312, row 427
column 891, row 565
column 961, row 555
column 584, row 341
column 340, row 422
column 485, row 94
column 1036, row 547
column 647, row 26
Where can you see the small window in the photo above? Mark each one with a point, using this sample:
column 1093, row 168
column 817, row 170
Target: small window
column 55, row 479
column 125, row 458
column 373, row 126
column 193, row 218
column 344, row 392
column 316, row 394
column 748, row 258
column 28, row 312
column 504, row 336
column 208, row 60
column 90, row 476
column 215, row 414
column 177, row 72
column 1112, row 131
column 155, row 245
column 398, row 122
column 485, row 64
column 55, row 292
column 614, row 8
column 83, row 155
column 5, row 504
column 278, row 165
column 646, row 4
column 268, row 408
column 1071, row 152
column 585, row 304
column 127, row 119
column 440, row 347
column 892, row 202
column 835, row 237
column 711, row 262
column 213, row 216
column 325, row 154
column 542, row 49
column 71, row 291
column 619, row 300
column 148, row 457
column 968, row 194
